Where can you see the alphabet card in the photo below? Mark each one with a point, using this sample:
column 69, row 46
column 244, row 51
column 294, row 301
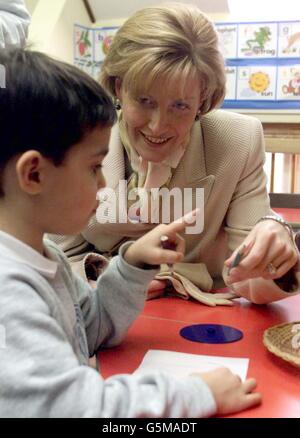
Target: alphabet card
column 257, row 40
column 84, row 65
column 288, row 86
column 96, row 70
column 256, row 83
column 231, row 73
column 103, row 40
column 289, row 39
column 262, row 60
column 228, row 39
column 83, row 44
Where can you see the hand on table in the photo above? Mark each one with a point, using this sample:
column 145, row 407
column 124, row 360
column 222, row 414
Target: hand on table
column 270, row 253
column 230, row 393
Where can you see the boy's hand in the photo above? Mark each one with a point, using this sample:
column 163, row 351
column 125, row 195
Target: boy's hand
column 148, row 250
column 230, row 393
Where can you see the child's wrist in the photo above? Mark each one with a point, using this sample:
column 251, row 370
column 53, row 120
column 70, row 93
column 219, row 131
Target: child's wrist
column 131, row 258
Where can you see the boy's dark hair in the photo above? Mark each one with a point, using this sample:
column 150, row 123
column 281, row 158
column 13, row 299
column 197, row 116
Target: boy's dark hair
column 47, row 105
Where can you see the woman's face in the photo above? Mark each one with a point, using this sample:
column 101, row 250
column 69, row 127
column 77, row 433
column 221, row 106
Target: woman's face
column 160, row 120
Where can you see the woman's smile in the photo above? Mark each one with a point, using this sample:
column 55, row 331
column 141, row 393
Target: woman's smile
column 155, row 141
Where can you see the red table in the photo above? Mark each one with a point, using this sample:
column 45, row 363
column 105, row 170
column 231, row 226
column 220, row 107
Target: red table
column 289, row 214
column 159, row 325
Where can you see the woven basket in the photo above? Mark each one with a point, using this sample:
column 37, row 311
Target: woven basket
column 284, row 341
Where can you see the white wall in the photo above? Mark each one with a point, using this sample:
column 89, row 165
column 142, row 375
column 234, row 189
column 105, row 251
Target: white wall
column 252, row 10
column 119, row 21
column 51, row 29
column 264, row 10
column 61, row 44
column 117, row 9
column 31, row 4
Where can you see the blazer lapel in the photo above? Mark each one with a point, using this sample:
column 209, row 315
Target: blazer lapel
column 114, row 163
column 191, row 171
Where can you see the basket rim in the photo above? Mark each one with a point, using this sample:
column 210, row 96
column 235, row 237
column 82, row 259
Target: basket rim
column 275, row 350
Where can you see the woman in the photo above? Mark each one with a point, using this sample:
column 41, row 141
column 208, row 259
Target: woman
column 166, row 73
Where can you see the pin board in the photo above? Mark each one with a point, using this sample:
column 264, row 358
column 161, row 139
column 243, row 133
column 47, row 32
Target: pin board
column 91, row 46
column 262, row 64
column 262, row 61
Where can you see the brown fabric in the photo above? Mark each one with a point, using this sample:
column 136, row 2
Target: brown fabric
column 183, row 287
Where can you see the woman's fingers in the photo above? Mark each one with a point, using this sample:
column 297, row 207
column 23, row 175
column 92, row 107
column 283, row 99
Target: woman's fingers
column 240, row 253
column 244, row 267
column 269, row 259
column 281, row 270
column 276, row 267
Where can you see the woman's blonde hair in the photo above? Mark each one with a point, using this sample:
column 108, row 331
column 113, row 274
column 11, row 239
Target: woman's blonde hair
column 169, row 41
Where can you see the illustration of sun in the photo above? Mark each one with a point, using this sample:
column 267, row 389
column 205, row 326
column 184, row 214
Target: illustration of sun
column 259, row 81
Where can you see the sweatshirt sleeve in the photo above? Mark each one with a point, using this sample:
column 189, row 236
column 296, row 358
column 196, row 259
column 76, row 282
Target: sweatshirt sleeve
column 14, row 22
column 40, row 375
column 110, row 308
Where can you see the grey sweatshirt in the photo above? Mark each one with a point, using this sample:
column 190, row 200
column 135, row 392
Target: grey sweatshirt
column 14, row 22
column 51, row 321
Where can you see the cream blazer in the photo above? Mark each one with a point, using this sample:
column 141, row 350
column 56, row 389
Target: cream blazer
column 225, row 157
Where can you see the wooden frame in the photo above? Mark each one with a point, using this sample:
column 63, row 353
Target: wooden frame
column 283, row 138
column 285, row 200
column 89, row 10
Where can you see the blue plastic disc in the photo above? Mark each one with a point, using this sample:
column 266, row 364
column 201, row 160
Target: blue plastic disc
column 211, row 333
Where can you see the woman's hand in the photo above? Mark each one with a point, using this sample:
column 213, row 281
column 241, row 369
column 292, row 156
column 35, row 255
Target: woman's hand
column 270, row 253
column 148, row 249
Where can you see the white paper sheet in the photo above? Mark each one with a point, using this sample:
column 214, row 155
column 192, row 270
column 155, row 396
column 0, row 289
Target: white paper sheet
column 183, row 364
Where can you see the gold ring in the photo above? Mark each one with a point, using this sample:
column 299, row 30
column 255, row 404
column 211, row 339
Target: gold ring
column 271, row 269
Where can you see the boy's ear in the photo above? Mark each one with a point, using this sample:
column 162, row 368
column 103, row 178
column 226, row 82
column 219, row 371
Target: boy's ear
column 29, row 169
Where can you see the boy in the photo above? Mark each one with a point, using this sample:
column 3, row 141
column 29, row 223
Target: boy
column 55, row 125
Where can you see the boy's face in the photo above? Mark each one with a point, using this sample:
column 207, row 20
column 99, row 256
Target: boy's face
column 71, row 188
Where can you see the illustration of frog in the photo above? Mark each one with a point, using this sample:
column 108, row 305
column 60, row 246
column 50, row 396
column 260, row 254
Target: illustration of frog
column 261, row 38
